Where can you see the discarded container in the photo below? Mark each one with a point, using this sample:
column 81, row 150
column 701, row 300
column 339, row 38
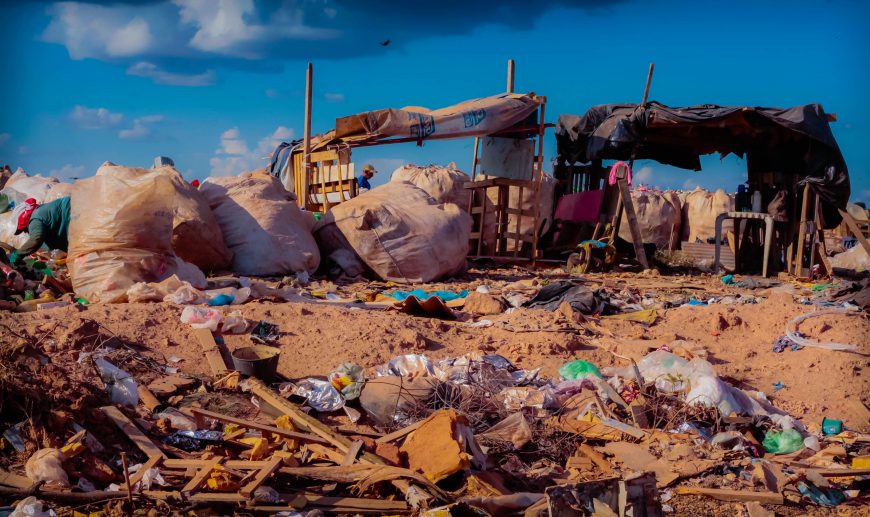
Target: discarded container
column 783, row 442
column 258, row 361
column 121, row 385
column 578, row 369
column 831, row 426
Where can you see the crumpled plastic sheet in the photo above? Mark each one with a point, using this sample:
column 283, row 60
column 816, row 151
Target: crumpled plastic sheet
column 409, row 365
column 193, row 441
column 320, row 395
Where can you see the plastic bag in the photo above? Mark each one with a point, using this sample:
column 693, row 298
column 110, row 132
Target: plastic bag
column 234, row 323
column 320, row 395
column 46, row 465
column 783, row 442
column 578, row 369
column 122, row 387
column 184, row 295
column 201, row 318
column 31, row 507
column 348, row 378
column 410, row 365
column 178, row 419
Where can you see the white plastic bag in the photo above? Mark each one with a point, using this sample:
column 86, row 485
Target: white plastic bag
column 178, row 419
column 201, row 317
column 122, row 386
column 186, row 294
column 31, row 507
column 46, row 465
column 234, row 323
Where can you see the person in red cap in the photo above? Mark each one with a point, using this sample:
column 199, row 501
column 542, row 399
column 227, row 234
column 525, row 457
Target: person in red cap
column 47, row 224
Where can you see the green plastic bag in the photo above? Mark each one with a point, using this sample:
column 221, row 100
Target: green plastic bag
column 578, row 369
column 783, row 442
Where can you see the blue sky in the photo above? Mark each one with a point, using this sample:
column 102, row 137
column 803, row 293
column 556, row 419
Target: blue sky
column 215, row 84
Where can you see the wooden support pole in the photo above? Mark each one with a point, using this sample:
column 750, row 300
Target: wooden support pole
column 630, row 214
column 510, row 76
column 853, row 227
column 648, row 81
column 127, row 477
column 802, row 232
column 136, row 436
column 306, row 137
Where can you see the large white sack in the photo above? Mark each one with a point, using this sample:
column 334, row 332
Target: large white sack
column 399, row 231
column 196, row 236
column 8, row 225
column 527, row 223
column 444, row 184
column 120, row 233
column 658, row 216
column 57, row 191
column 267, row 233
column 700, row 209
column 855, row 259
column 20, row 186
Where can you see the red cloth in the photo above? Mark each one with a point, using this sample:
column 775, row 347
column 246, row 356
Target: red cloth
column 30, row 205
column 195, row 183
column 612, row 179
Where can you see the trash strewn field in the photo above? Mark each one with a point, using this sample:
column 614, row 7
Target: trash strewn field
column 511, row 391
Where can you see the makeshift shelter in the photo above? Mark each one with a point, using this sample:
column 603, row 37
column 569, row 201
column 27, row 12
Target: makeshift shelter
column 785, row 149
column 320, row 171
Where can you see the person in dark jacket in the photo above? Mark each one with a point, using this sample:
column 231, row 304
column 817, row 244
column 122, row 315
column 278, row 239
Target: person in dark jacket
column 47, row 224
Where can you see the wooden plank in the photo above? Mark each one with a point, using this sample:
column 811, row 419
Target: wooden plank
column 136, row 436
column 261, row 477
column 395, row 435
column 352, row 453
column 14, row 480
column 836, row 473
column 723, row 494
column 172, row 463
column 633, row 227
column 259, row 427
column 802, row 232
column 416, row 495
column 139, row 474
column 212, row 352
column 853, row 227
column 200, row 477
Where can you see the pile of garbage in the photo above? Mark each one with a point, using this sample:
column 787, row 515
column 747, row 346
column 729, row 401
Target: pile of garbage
column 471, row 434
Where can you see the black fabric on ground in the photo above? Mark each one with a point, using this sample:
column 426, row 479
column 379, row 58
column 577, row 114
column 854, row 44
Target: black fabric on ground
column 580, row 298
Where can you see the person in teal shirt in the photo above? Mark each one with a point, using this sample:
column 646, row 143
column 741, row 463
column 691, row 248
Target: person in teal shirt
column 47, row 224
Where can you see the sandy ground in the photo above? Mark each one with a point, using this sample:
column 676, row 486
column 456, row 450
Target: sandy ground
column 316, row 337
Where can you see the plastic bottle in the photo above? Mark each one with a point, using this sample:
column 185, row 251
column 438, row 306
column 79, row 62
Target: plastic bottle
column 756, row 201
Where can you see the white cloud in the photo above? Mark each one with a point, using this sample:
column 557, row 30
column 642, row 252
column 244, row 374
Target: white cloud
column 232, row 27
column 131, row 39
column 691, row 184
column 23, row 150
column 68, row 172
column 96, row 31
column 161, row 76
column 94, row 118
column 234, row 156
column 141, row 128
column 643, row 175
column 4, row 137
column 334, row 97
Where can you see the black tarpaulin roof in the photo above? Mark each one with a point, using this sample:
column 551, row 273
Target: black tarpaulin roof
column 797, row 141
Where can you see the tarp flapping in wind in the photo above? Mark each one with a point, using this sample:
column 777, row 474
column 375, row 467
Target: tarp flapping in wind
column 795, row 140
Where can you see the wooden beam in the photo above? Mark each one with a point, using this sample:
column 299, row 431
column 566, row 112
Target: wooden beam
column 634, row 228
column 306, row 136
column 416, row 495
column 352, row 453
column 152, row 462
column 802, row 232
column 395, row 435
column 510, row 76
column 853, row 227
column 200, row 477
column 723, row 494
column 649, row 75
column 259, row 427
column 14, row 480
column 261, row 477
column 136, row 436
column 212, row 352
